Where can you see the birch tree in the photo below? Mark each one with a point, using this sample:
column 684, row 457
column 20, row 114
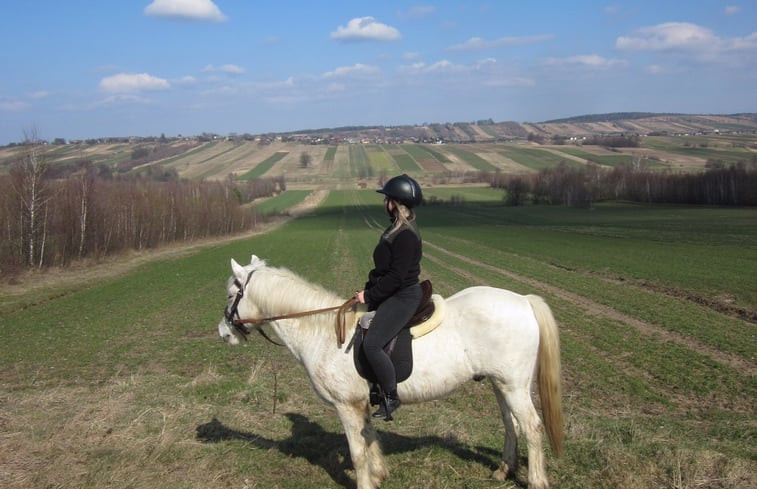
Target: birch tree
column 33, row 191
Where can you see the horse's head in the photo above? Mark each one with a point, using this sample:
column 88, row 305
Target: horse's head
column 238, row 304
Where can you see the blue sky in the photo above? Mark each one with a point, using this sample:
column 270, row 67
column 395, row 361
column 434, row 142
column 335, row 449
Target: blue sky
column 83, row 69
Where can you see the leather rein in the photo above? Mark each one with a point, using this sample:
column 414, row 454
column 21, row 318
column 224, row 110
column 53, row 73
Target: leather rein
column 231, row 314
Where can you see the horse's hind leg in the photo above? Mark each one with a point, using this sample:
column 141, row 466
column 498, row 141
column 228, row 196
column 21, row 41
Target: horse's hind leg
column 518, row 399
column 370, row 469
column 510, row 453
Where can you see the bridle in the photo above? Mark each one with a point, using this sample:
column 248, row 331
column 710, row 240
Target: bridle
column 232, row 318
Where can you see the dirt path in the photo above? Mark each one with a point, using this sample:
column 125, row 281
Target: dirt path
column 649, row 330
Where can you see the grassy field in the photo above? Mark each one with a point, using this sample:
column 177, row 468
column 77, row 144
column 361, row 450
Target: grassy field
column 121, row 382
column 281, row 202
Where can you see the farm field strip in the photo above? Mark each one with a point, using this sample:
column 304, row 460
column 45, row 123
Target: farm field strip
column 282, row 202
column 649, row 330
column 359, row 162
column 379, row 160
column 535, row 159
column 261, row 168
column 730, row 156
column 471, row 158
column 425, row 158
column 607, row 160
column 227, row 164
column 199, row 156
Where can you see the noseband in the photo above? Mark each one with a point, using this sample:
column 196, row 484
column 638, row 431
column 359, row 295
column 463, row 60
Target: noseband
column 231, row 314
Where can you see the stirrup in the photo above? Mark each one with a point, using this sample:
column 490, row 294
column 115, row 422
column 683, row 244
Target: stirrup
column 387, row 407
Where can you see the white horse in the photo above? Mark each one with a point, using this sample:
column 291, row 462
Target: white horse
column 485, row 332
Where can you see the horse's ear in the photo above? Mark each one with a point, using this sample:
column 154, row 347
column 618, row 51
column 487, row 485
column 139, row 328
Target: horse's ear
column 238, row 270
column 256, row 262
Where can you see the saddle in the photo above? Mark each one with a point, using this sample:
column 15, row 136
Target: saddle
column 427, row 316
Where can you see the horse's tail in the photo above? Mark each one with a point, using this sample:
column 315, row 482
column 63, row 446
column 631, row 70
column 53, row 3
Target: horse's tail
column 549, row 373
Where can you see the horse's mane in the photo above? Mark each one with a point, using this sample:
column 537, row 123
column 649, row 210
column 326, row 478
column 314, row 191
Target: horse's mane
column 283, row 291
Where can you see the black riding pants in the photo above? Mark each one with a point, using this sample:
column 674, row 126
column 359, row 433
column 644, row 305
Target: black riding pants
column 391, row 316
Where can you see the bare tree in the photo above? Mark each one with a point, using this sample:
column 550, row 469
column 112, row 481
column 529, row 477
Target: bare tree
column 31, row 186
column 85, row 187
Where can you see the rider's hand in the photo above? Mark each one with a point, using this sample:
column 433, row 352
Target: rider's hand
column 360, row 296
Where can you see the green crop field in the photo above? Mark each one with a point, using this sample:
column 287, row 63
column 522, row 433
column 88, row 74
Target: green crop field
column 264, row 166
column 471, row 158
column 330, row 153
column 282, row 202
column 535, row 159
column 699, row 147
column 359, row 161
column 380, row 160
column 121, row 381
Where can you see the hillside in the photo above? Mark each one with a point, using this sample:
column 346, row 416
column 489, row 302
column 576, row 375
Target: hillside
column 435, row 152
column 641, row 123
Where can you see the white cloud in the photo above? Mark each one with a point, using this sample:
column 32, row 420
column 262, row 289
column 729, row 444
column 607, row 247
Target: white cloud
column 417, row 12
column 358, row 69
column 185, row 80
column 692, row 41
column 477, row 43
column 442, row 66
column 654, row 69
column 586, row 60
column 365, row 29
column 203, row 10
column 670, row 35
column 732, row 9
column 132, row 82
column 227, row 68
column 39, row 95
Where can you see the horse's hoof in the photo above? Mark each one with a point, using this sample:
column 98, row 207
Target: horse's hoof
column 501, row 473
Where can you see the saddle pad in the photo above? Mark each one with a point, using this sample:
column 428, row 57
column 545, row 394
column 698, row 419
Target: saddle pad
column 431, row 323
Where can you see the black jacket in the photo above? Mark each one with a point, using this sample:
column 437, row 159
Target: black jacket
column 397, row 263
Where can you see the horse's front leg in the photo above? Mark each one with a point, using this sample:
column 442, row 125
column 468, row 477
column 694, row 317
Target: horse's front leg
column 370, row 469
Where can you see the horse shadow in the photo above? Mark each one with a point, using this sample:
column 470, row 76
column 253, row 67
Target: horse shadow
column 330, row 451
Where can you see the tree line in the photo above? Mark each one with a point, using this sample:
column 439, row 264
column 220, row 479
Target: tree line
column 46, row 221
column 582, row 186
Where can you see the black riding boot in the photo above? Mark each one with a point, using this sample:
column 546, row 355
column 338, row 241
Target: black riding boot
column 389, row 404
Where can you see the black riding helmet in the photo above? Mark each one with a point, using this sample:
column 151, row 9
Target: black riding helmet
column 404, row 190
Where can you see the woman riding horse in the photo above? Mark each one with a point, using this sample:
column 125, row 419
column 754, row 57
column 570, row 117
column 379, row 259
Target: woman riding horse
column 392, row 289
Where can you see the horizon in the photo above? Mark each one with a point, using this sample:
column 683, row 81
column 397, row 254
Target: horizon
column 184, row 67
